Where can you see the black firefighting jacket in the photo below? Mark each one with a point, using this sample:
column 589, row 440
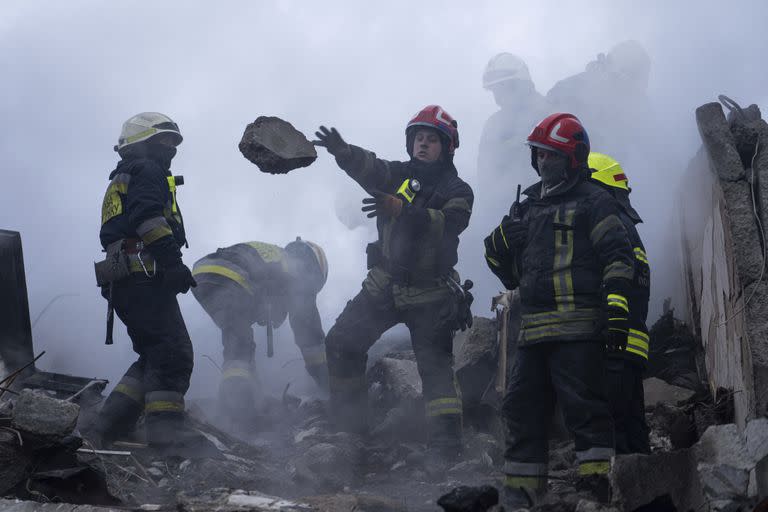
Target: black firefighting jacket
column 422, row 243
column 576, row 253
column 267, row 274
column 140, row 203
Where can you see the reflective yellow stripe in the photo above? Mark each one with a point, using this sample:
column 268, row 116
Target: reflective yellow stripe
column 444, row 406
column 638, row 343
column 503, row 237
column 230, row 373
column 141, row 135
column 526, row 482
column 594, row 468
column 575, row 328
column 222, row 271
column 156, row 234
column 457, row 203
column 172, row 188
column 406, row 192
column 492, row 261
column 558, row 317
column 562, row 275
column 640, row 353
column 268, row 252
column 134, row 394
column 163, row 406
column 618, row 301
column 640, row 255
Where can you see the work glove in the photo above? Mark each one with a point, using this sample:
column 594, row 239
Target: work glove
column 509, row 235
column 617, row 329
column 332, row 141
column 177, row 278
column 385, row 205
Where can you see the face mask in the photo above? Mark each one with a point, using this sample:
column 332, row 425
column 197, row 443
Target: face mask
column 162, row 153
column 553, row 172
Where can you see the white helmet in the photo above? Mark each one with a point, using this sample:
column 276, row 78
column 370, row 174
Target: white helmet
column 143, row 126
column 300, row 246
column 503, row 67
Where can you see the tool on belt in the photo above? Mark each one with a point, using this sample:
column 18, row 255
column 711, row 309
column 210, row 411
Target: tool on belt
column 464, row 299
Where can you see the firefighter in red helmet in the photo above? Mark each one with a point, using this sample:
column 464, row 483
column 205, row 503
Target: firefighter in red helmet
column 421, row 206
column 568, row 252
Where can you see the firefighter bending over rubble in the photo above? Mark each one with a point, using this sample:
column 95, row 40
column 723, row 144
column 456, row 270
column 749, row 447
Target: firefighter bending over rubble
column 421, row 206
column 567, row 250
column 142, row 233
column 256, row 282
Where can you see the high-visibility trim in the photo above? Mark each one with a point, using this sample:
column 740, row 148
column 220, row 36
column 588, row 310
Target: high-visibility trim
column 503, row 237
column 536, row 469
column 594, row 468
column 444, row 406
column 405, row 191
column 638, row 343
column 526, row 482
column 153, row 229
column 141, row 135
column 603, row 227
column 163, row 406
column 112, row 205
column 566, row 330
column 595, row 454
column 640, row 255
column 135, row 394
column 314, row 356
column 236, row 373
column 558, row 317
column 437, row 221
column 619, row 301
column 492, row 261
column 268, row 252
column 618, row 270
column 163, row 401
column 562, row 274
column 172, row 188
column 222, row 271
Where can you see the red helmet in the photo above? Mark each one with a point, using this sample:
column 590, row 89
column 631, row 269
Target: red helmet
column 563, row 133
column 433, row 116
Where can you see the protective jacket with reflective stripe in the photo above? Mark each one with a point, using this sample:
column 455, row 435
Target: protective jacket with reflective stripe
column 423, row 241
column 576, row 253
column 140, row 203
column 638, row 297
column 265, row 272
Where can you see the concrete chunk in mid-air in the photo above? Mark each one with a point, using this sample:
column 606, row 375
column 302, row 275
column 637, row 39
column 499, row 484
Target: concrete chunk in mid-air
column 275, row 146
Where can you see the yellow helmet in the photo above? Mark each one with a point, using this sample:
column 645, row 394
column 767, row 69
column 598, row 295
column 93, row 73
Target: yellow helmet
column 608, row 171
column 310, row 251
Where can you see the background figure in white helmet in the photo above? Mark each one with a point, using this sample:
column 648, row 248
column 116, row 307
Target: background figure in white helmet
column 520, row 106
column 257, row 282
column 610, row 97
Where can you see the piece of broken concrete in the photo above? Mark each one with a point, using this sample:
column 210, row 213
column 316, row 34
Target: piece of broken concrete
column 275, row 146
column 44, row 418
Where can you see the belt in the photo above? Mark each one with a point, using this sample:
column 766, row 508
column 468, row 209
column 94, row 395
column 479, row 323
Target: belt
column 133, row 245
column 404, row 275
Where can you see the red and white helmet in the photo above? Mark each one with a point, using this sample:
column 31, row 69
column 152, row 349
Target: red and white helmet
column 433, row 116
column 562, row 133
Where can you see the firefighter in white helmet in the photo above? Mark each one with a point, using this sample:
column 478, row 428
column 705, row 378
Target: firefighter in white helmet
column 142, row 233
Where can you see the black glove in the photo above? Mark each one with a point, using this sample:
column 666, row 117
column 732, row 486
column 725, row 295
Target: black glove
column 617, row 329
column 177, row 278
column 332, row 141
column 385, row 205
column 510, row 234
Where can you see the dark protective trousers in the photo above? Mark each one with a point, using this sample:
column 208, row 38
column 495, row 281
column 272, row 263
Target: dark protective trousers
column 158, row 380
column 626, row 397
column 362, row 322
column 571, row 373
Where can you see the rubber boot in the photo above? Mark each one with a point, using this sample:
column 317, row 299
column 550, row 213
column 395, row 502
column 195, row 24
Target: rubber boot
column 117, row 418
column 516, row 499
column 168, row 434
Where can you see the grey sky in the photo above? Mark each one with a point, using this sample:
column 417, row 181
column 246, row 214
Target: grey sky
column 74, row 71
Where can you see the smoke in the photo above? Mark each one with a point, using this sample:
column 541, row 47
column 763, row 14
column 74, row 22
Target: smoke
column 73, row 73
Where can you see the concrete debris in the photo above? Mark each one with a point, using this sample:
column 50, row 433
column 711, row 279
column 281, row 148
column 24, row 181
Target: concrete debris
column 657, row 391
column 275, row 146
column 477, row 360
column 469, row 499
column 33, row 506
column 723, row 481
column 43, row 417
column 361, row 503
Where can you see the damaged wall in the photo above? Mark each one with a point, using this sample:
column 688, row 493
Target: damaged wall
column 723, row 253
